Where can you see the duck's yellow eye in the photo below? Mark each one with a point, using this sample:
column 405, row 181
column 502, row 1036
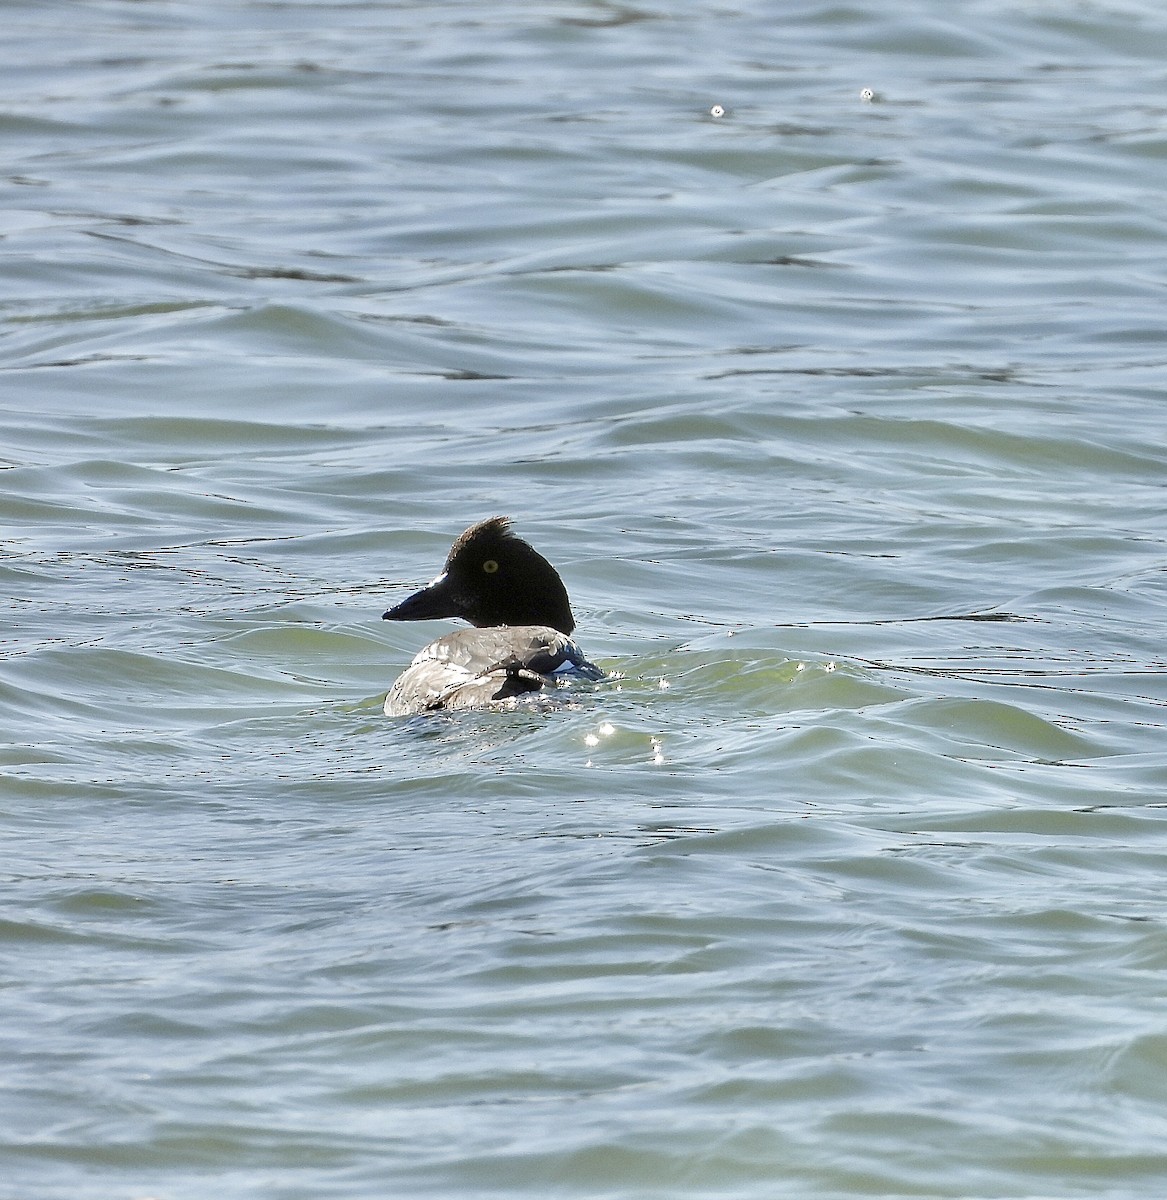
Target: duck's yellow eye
column 490, row 566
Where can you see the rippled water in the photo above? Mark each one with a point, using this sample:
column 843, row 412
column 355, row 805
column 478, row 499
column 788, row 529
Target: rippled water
column 843, row 419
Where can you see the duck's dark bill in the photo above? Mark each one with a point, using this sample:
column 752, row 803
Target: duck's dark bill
column 427, row 605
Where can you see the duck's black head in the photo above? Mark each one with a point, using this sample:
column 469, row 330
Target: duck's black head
column 492, row 577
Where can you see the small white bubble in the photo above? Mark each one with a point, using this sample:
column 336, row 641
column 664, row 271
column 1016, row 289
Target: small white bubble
column 717, row 110
column 830, row 666
column 657, row 755
column 867, row 95
column 663, row 684
column 800, row 666
column 607, row 729
column 591, row 740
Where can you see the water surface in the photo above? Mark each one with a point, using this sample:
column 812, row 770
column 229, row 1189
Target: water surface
column 843, row 420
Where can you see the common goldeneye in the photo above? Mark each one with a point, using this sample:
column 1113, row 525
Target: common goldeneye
column 522, row 640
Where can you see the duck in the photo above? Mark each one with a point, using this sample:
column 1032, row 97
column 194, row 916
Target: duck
column 521, row 642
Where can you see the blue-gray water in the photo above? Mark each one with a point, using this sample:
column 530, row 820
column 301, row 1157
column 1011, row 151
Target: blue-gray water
column 820, row 895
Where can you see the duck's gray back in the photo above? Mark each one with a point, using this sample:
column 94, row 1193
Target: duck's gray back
column 474, row 668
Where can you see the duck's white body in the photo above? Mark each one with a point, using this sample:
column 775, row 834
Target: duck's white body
column 476, row 668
